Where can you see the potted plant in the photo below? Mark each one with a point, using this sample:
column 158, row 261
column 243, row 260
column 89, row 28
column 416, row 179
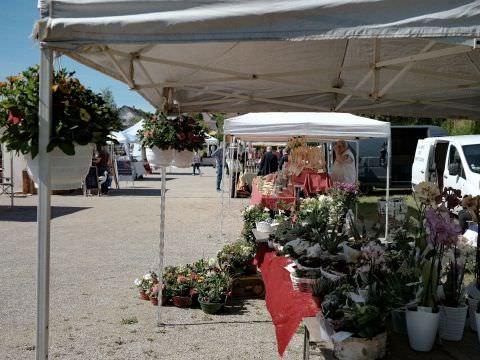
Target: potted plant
column 453, row 312
column 422, row 324
column 252, row 215
column 171, row 139
column 235, row 257
column 472, row 204
column 80, row 117
column 181, row 289
column 145, row 284
column 213, row 291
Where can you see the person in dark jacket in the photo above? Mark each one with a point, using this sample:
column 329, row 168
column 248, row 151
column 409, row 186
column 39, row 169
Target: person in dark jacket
column 283, row 159
column 269, row 163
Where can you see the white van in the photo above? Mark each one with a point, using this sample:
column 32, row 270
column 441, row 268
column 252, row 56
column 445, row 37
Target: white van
column 451, row 161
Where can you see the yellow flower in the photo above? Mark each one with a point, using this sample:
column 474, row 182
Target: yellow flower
column 84, row 115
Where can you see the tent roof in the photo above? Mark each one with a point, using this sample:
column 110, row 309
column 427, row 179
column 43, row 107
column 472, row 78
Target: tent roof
column 277, row 127
column 131, row 133
column 362, row 56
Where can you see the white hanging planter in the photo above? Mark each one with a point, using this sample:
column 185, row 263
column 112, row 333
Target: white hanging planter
column 452, row 322
column 472, row 309
column 183, row 159
column 67, row 171
column 157, row 157
column 422, row 327
column 361, row 349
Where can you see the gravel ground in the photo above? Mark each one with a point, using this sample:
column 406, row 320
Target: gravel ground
column 98, row 246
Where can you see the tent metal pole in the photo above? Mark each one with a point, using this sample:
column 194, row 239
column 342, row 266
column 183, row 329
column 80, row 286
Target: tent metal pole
column 389, row 157
column 12, row 181
column 222, row 186
column 161, row 245
column 44, row 199
column 238, row 150
column 357, row 162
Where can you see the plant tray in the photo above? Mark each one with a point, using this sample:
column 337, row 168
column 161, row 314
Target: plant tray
column 302, row 284
column 248, row 287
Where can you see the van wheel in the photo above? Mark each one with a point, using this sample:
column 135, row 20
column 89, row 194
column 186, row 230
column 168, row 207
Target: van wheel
column 366, row 189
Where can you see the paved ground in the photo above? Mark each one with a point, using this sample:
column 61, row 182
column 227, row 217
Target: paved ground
column 99, row 245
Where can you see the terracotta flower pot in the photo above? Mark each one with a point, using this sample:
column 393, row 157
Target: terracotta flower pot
column 182, row 301
column 154, row 301
column 144, row 296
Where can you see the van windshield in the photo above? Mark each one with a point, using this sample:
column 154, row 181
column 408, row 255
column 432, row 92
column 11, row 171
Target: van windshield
column 472, row 154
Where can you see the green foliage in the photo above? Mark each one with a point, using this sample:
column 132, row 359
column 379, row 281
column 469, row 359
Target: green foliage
column 365, row 320
column 214, row 287
column 235, row 256
column 180, row 133
column 79, row 115
column 129, row 321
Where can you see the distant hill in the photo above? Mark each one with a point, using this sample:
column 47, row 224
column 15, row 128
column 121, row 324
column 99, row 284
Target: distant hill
column 131, row 115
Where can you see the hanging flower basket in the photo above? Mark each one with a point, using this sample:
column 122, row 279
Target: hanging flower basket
column 183, row 159
column 159, row 158
column 67, row 172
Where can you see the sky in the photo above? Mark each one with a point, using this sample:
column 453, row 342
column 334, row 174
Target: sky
column 19, row 52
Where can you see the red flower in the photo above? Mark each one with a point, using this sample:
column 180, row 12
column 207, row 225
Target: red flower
column 14, row 117
column 181, row 278
column 181, row 136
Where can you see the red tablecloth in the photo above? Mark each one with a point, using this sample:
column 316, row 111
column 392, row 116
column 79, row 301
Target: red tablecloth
column 312, row 182
column 286, row 306
column 270, row 201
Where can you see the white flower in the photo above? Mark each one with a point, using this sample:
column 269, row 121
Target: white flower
column 212, row 262
column 137, row 282
column 266, row 209
column 147, row 276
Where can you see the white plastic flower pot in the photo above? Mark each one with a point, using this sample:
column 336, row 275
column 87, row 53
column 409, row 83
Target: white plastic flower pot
column 472, row 309
column 452, row 322
column 159, row 158
column 183, row 159
column 67, row 171
column 263, row 226
column 422, row 327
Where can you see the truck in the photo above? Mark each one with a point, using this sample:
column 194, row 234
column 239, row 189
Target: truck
column 450, row 161
column 372, row 166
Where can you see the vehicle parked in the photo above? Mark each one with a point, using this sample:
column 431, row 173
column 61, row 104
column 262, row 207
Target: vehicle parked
column 451, row 161
column 372, row 169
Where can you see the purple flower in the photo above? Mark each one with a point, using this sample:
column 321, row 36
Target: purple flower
column 442, row 231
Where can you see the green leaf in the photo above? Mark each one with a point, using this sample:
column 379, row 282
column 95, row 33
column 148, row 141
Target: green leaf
column 67, row 147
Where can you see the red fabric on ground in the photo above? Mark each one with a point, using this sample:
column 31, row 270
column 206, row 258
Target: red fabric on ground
column 312, row 182
column 286, row 306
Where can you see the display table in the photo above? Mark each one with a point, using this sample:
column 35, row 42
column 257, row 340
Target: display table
column 268, row 200
column 312, row 182
column 286, row 306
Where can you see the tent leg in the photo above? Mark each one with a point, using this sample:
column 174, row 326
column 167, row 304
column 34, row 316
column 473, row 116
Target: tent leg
column 357, row 158
column 389, row 157
column 161, row 245
column 12, row 181
column 222, row 186
column 43, row 208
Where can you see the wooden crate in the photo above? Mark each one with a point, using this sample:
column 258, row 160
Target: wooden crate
column 248, row 287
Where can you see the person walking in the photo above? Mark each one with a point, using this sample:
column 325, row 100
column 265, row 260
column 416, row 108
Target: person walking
column 283, row 159
column 218, row 155
column 269, row 163
column 196, row 163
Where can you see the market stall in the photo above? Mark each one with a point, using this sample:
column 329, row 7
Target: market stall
column 310, row 171
column 426, row 56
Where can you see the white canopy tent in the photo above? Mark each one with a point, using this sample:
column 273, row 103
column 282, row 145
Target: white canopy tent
column 363, row 56
column 280, row 127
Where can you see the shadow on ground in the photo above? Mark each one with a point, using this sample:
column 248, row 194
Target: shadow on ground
column 29, row 213
column 136, row 191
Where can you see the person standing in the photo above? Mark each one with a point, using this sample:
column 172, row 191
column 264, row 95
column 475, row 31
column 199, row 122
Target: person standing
column 283, row 159
column 344, row 166
column 269, row 163
column 196, row 163
column 103, row 163
column 218, row 155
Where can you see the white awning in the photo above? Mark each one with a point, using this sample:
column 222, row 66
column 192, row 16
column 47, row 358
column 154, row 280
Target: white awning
column 280, row 127
column 359, row 56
